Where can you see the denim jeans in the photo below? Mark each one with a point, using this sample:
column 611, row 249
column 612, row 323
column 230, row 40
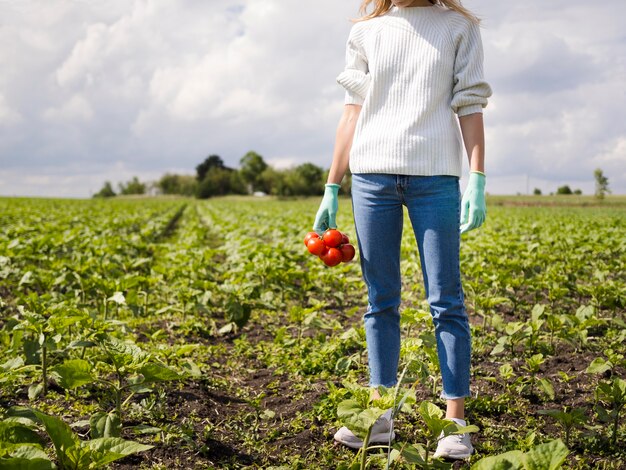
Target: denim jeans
column 433, row 203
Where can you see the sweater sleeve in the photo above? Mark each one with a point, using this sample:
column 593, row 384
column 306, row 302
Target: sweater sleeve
column 470, row 91
column 355, row 78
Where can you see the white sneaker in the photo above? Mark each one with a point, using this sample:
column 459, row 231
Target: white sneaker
column 454, row 446
column 380, row 433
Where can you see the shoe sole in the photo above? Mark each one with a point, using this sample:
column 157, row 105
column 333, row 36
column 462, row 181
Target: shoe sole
column 374, row 439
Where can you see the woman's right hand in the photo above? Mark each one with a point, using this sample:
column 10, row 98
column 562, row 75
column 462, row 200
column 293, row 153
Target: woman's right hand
column 327, row 212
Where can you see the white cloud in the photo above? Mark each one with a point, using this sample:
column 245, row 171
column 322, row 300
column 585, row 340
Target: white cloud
column 281, row 163
column 77, row 108
column 7, row 115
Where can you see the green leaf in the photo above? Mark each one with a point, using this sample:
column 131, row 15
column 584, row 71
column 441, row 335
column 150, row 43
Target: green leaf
column 16, row 433
column 105, row 425
column 73, row 373
column 112, row 449
column 35, row 390
column 12, row 364
column 412, row 454
column 466, row 429
column 155, row 372
column 546, row 386
column 191, row 368
column 237, row 312
column 603, row 413
column 537, row 311
column 60, row 433
column 432, row 416
column 124, row 353
column 512, row 460
column 145, row 429
column 598, row 366
column 357, row 419
column 26, row 464
column 575, row 416
column 29, row 452
column 548, row 456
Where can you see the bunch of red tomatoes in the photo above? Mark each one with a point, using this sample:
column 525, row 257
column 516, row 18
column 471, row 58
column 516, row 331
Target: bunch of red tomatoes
column 333, row 247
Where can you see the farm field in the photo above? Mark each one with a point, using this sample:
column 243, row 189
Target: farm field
column 175, row 333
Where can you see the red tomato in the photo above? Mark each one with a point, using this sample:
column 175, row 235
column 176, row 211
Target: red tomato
column 332, row 257
column 315, row 246
column 332, row 238
column 347, row 252
column 309, row 236
column 344, row 239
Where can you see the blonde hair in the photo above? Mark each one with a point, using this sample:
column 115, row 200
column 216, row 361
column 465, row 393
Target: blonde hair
column 383, row 6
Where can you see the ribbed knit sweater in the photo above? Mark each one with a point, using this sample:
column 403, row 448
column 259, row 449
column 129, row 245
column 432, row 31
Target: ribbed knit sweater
column 412, row 69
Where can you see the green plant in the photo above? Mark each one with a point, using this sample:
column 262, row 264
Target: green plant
column 133, row 369
column 548, row 456
column 71, row 452
column 532, row 366
column 567, row 419
column 612, row 393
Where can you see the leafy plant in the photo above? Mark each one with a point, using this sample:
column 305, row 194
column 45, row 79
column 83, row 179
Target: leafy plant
column 532, row 366
column 71, row 452
column 613, row 394
column 567, row 419
column 548, row 456
column 133, row 369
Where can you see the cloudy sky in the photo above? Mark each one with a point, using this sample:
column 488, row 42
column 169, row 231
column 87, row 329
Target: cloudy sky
column 95, row 90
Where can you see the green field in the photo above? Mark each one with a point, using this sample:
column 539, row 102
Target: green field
column 175, row 333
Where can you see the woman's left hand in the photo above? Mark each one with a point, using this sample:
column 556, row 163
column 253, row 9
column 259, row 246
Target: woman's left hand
column 473, row 208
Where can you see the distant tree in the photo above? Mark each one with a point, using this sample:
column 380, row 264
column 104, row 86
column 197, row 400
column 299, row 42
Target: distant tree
column 215, row 183
column 219, row 182
column 252, row 165
column 578, row 192
column 106, row 191
column 537, row 192
column 210, row 162
column 184, row 185
column 310, row 177
column 273, row 182
column 602, row 184
column 564, row 190
column 304, row 180
column 133, row 186
column 237, row 184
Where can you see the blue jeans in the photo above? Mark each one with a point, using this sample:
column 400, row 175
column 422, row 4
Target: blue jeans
column 433, row 203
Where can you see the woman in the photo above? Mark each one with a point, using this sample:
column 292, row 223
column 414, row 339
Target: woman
column 411, row 65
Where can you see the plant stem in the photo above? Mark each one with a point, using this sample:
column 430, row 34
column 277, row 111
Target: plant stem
column 615, row 426
column 366, row 442
column 118, row 402
column 44, row 367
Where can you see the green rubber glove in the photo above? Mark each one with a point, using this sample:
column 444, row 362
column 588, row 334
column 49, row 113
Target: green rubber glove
column 473, row 208
column 327, row 212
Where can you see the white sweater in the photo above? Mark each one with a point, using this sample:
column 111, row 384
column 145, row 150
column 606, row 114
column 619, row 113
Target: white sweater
column 412, row 69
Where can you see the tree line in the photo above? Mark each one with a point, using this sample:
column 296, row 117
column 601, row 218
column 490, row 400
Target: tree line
column 214, row 178
column 255, row 176
column 601, row 189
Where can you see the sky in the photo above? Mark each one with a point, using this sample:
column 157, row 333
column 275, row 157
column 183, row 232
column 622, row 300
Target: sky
column 97, row 90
